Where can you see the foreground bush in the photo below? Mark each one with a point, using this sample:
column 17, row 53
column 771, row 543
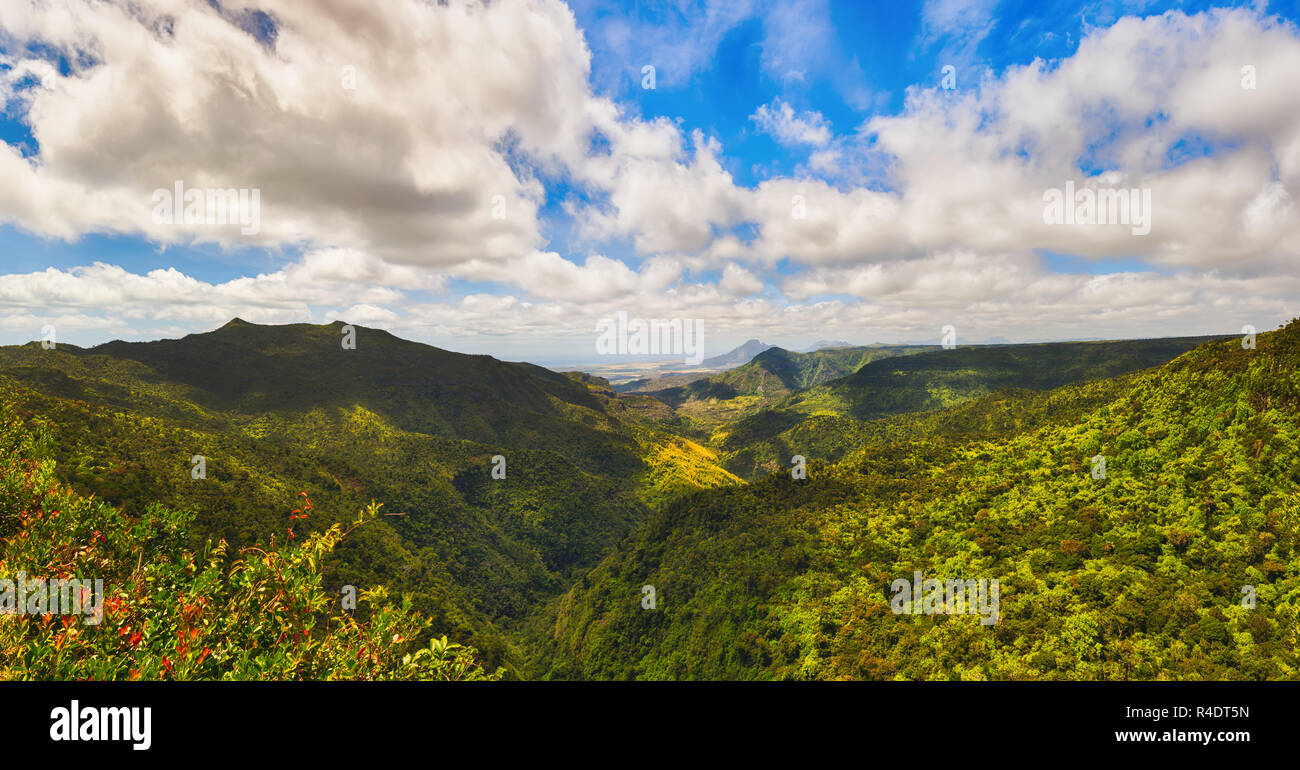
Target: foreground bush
column 171, row 613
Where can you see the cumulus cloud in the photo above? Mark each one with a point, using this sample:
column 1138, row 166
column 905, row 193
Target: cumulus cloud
column 551, row 276
column 739, row 281
column 1130, row 110
column 403, row 145
column 169, row 295
column 391, row 127
column 1014, row 296
column 661, row 196
column 780, row 120
column 1150, row 104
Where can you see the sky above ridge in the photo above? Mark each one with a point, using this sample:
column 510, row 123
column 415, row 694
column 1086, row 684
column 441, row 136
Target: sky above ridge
column 497, row 178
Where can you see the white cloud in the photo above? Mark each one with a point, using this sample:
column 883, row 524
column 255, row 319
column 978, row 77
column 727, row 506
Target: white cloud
column 969, row 169
column 369, row 315
column 1013, row 296
column 665, row 200
column 169, row 295
column 739, row 281
column 548, row 275
column 405, row 166
column 934, row 213
column 780, row 120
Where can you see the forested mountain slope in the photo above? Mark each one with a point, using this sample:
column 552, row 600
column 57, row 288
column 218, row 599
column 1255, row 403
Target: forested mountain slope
column 777, row 372
column 940, row 378
column 765, row 442
column 1138, row 574
column 245, row 368
column 1181, row 561
column 826, row 417
column 277, row 410
column 771, row 376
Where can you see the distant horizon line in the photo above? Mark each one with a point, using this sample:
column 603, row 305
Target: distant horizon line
column 559, row 363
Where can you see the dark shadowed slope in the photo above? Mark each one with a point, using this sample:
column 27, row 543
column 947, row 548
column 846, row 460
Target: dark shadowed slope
column 942, row 378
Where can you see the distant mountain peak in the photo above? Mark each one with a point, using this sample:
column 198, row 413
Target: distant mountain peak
column 737, row 356
column 822, row 344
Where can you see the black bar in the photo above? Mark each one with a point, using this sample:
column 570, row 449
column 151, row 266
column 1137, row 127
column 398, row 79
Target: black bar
column 996, row 719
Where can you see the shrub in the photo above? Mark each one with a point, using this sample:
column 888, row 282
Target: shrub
column 171, row 613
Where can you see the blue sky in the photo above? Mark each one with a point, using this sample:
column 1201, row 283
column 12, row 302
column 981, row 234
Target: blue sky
column 667, row 202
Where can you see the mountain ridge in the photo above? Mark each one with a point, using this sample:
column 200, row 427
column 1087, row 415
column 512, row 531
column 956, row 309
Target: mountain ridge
column 1133, row 573
column 274, row 410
